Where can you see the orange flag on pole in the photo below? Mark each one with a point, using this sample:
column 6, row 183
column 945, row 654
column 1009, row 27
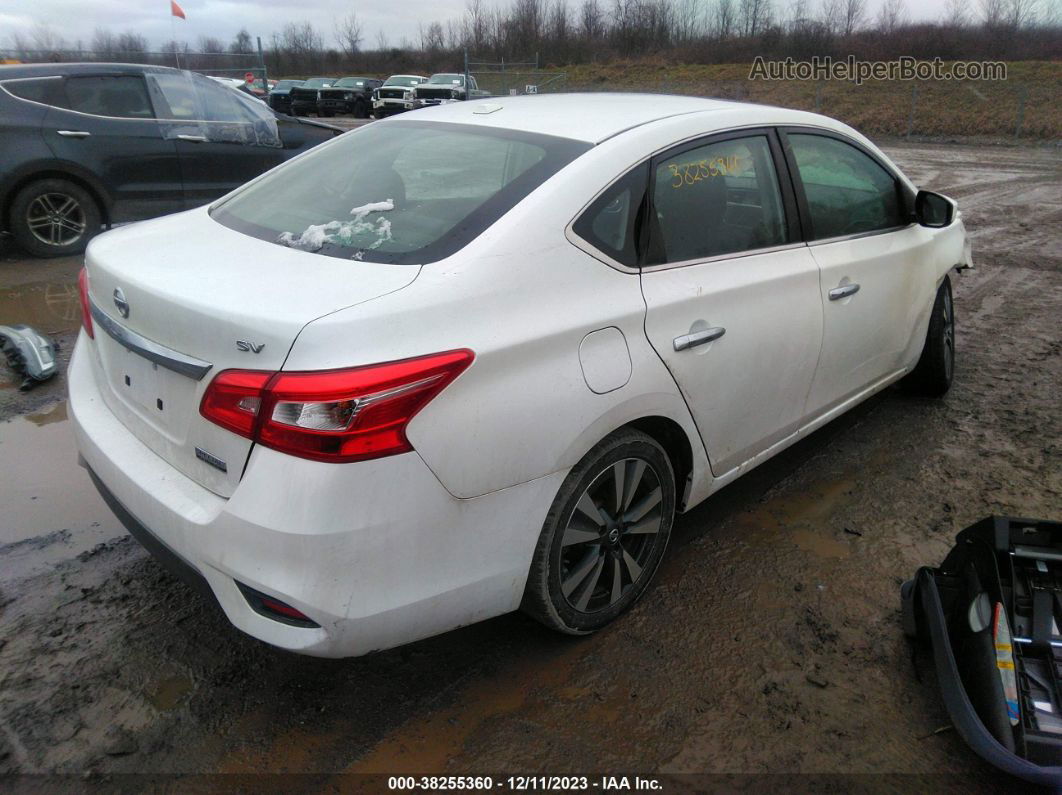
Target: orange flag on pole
column 176, row 10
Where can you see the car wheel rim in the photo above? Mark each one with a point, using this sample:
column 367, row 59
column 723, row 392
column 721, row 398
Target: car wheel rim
column 56, row 219
column 610, row 535
column 949, row 335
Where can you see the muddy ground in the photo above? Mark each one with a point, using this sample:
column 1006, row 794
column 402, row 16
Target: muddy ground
column 769, row 644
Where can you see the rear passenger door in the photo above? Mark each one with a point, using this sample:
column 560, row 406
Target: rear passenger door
column 876, row 276
column 731, row 291
column 105, row 124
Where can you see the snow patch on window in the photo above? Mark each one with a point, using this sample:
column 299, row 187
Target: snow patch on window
column 315, row 236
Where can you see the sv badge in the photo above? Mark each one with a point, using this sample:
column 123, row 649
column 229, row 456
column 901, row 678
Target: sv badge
column 252, row 347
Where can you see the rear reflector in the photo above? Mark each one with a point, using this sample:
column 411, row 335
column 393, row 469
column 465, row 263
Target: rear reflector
column 266, row 605
column 86, row 314
column 333, row 415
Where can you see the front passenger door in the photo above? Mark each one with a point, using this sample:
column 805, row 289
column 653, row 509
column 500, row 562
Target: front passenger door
column 731, row 292
column 876, row 279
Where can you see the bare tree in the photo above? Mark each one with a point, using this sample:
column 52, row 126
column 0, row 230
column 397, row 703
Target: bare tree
column 432, row 38
column 46, row 40
column 104, row 46
column 591, row 20
column 21, row 45
column 753, row 16
column 302, row 45
column 381, row 40
column 477, row 25
column 1021, row 13
column 956, row 14
column 349, row 33
column 724, row 17
column 853, row 13
column 210, row 44
column 831, row 14
column 993, row 13
column 891, row 15
column 241, row 44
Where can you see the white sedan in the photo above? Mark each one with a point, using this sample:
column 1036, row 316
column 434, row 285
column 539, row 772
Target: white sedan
column 365, row 399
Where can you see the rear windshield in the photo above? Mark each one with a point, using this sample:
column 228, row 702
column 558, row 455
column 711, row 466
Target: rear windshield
column 318, row 82
column 426, row 191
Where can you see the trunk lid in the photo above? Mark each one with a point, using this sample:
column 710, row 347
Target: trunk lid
column 200, row 296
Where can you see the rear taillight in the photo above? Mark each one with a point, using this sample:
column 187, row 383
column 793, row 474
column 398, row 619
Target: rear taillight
column 86, row 314
column 333, row 415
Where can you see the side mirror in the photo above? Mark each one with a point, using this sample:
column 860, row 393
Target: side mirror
column 933, row 210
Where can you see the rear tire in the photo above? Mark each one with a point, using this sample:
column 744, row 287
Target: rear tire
column 933, row 374
column 54, row 218
column 604, row 535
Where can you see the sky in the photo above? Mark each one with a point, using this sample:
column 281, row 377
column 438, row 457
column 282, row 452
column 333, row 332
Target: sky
column 77, row 19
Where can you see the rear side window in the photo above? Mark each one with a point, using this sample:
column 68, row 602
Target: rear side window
column 43, row 89
column 118, row 96
column 428, row 189
column 611, row 223
column 720, row 198
column 847, row 191
column 193, row 105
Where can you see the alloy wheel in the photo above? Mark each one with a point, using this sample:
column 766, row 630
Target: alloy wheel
column 610, row 535
column 56, row 219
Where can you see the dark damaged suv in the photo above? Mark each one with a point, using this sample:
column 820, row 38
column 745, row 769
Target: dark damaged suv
column 348, row 95
column 89, row 145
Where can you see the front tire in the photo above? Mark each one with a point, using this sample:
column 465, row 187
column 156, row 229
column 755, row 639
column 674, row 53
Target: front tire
column 361, row 110
column 933, row 374
column 604, row 535
column 54, row 218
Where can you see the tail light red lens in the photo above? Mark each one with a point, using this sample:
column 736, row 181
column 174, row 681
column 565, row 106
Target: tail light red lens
column 333, row 415
column 86, row 314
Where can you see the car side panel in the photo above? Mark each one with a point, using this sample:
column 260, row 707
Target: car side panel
column 138, row 169
column 523, row 298
column 21, row 144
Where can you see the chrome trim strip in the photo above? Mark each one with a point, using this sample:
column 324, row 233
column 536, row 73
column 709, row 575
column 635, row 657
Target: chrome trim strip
column 860, row 235
column 152, row 351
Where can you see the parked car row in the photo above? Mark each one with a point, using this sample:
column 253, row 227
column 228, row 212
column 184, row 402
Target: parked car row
column 362, row 96
column 84, row 146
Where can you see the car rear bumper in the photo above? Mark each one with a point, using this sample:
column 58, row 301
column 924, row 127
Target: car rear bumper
column 377, row 553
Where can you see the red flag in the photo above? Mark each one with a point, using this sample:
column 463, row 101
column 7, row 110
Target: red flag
column 176, row 10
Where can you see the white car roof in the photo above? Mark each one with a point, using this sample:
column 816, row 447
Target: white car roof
column 594, row 117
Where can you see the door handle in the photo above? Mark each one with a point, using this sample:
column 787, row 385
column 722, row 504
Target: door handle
column 843, row 291
column 698, row 338
column 196, row 139
column 74, row 133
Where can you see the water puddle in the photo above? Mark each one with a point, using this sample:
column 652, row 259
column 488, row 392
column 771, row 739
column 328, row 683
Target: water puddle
column 168, row 693
column 49, row 308
column 51, row 510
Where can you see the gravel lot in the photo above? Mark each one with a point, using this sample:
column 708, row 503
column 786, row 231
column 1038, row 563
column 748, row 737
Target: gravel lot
column 769, row 644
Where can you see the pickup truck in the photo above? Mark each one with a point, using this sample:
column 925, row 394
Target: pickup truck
column 348, row 95
column 446, row 87
column 395, row 95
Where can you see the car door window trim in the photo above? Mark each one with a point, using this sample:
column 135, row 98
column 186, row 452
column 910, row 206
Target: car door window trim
column 778, row 160
column 904, row 195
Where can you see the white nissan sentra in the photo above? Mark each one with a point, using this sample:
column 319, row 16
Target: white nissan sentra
column 476, row 358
